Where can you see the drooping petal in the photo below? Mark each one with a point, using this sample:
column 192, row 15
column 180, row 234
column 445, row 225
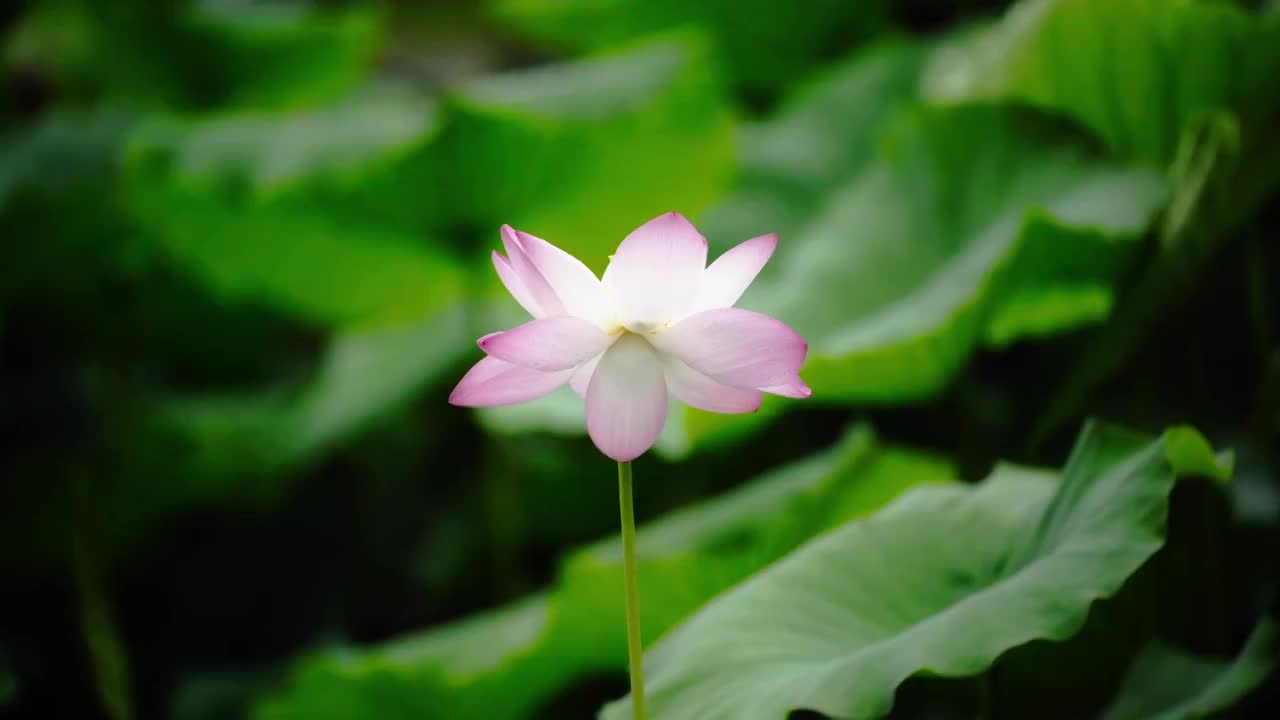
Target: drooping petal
column 697, row 390
column 724, row 281
column 795, row 388
column 493, row 382
column 626, row 400
column 553, row 343
column 574, row 284
column 537, row 287
column 653, row 276
column 582, row 378
column 736, row 347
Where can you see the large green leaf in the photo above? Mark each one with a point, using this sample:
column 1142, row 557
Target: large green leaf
column 1169, row 684
column 584, row 152
column 342, row 144
column 66, row 159
column 971, row 226
column 760, row 43
column 319, row 268
column 63, row 150
column 893, row 282
column 1136, row 72
column 817, row 141
column 285, row 55
column 246, row 448
column 504, row 663
column 197, row 54
column 361, row 375
column 942, row 582
column 235, row 202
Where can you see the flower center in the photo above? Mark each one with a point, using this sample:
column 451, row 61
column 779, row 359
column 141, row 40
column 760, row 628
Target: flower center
column 641, row 327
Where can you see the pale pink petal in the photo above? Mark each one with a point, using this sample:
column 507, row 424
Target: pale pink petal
column 492, row 382
column 538, row 287
column 553, row 343
column 515, row 286
column 796, row 388
column 485, row 338
column 626, row 400
column 653, row 276
column 577, row 287
column 736, row 347
column 582, row 378
column 731, row 274
column 697, row 390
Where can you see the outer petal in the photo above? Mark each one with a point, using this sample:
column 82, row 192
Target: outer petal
column 515, row 286
column 653, row 276
column 626, row 400
column 539, row 291
column 796, row 388
column 577, row 287
column 554, row 343
column 736, row 347
column 582, row 378
column 697, row 390
column 492, row 382
column 731, row 274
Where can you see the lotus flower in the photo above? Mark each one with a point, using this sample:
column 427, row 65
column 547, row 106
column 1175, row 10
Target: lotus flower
column 659, row 321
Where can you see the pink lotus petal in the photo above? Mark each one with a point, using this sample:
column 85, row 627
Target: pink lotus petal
column 731, row 274
column 626, row 400
column 653, row 276
column 577, row 287
column 538, row 290
column 736, row 347
column 582, row 378
column 514, row 285
column 493, row 382
column 796, row 388
column 697, row 390
column 554, row 343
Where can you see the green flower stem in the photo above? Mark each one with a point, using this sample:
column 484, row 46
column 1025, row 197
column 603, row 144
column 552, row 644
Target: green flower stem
column 635, row 657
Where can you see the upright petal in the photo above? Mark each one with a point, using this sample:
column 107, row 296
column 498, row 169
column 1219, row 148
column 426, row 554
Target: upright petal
column 697, row 390
column 731, row 274
column 554, row 343
column 492, row 382
column 582, row 377
column 577, row 287
column 537, row 286
column 736, row 347
column 626, row 400
column 515, row 285
column 653, row 276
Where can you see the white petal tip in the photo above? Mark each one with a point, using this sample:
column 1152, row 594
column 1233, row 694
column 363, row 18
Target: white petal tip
column 768, row 241
column 796, row 389
column 510, row 236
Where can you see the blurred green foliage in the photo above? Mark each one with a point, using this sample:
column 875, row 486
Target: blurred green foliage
column 246, row 255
